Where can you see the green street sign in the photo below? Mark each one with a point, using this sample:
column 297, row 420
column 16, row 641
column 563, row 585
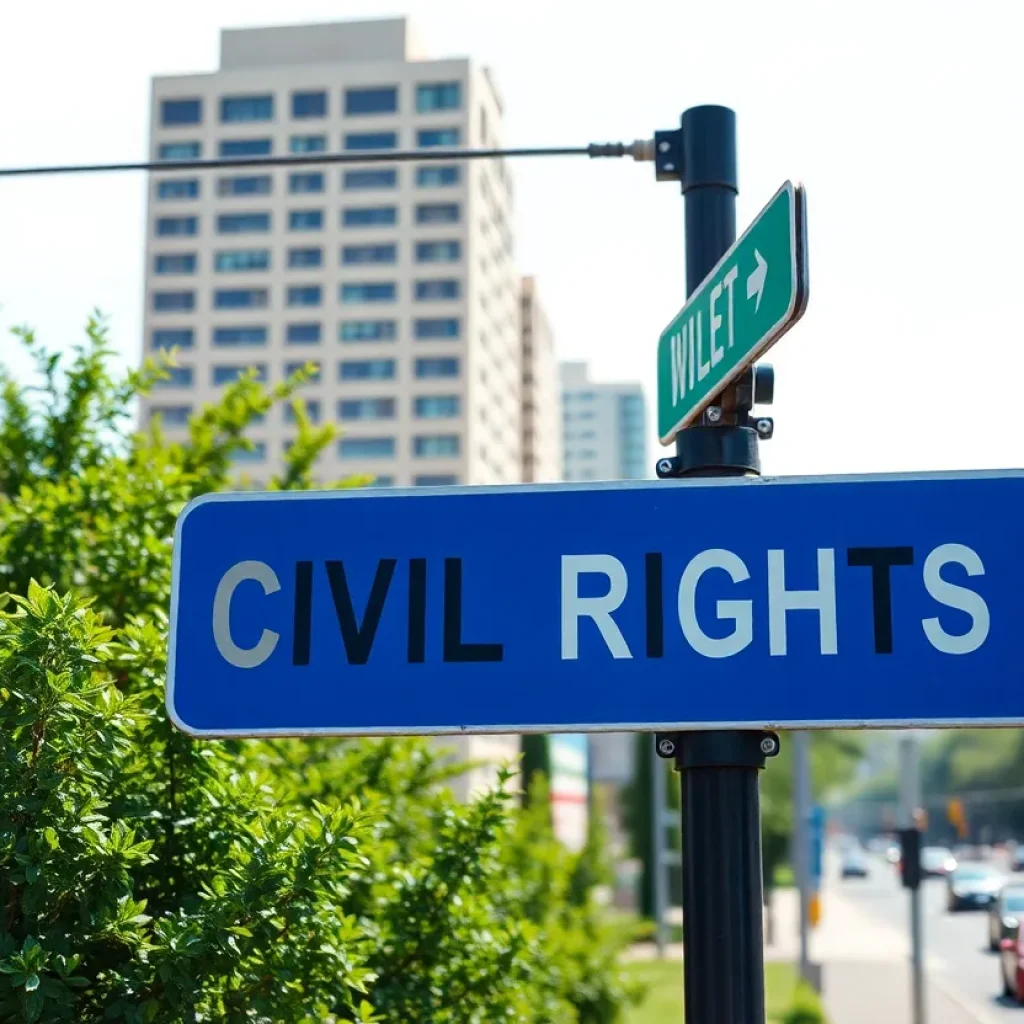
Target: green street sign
column 755, row 293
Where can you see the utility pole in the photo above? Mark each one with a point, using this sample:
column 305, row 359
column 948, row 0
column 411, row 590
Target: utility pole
column 910, row 837
column 802, row 844
column 723, row 952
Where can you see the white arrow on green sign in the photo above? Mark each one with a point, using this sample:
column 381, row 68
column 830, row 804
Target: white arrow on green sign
column 755, row 293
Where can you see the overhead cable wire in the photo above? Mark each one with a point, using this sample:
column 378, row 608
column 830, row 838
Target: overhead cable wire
column 639, row 150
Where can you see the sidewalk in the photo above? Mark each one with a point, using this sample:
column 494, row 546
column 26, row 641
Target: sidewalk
column 866, row 973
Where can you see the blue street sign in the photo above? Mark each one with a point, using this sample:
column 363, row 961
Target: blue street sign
column 751, row 603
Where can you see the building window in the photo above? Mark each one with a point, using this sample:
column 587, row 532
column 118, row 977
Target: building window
column 306, row 181
column 181, row 337
column 381, row 177
column 376, row 100
column 378, row 291
column 429, row 137
column 308, row 144
column 369, row 253
column 179, row 188
column 312, row 410
column 174, row 302
column 228, row 260
column 371, row 140
column 435, row 480
column 177, row 112
column 229, row 374
column 311, row 257
column 167, row 227
column 305, row 295
column 438, row 327
column 290, row 369
column 431, row 407
column 369, row 216
column 177, row 377
column 438, row 96
column 438, row 289
column 246, row 147
column 234, row 109
column 366, row 369
column 257, row 453
column 309, row 104
column 438, row 175
column 171, row 415
column 240, row 298
column 438, row 252
column 437, row 213
column 366, row 447
column 179, row 151
column 175, row 263
column 305, row 220
column 437, row 367
column 302, row 334
column 367, row 330
column 435, row 445
column 239, row 337
column 245, row 185
column 366, row 409
column 242, row 223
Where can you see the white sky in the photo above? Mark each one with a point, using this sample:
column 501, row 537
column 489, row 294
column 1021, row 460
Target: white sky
column 904, row 119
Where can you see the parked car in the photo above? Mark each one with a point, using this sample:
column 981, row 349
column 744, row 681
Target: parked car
column 972, row 886
column 854, row 864
column 1011, row 965
column 1005, row 913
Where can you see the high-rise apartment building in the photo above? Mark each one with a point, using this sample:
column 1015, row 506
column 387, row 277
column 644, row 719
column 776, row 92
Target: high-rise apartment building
column 542, row 419
column 604, row 435
column 396, row 280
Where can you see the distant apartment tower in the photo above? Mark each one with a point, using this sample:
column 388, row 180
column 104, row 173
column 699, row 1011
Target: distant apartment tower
column 604, row 434
column 542, row 419
column 397, row 280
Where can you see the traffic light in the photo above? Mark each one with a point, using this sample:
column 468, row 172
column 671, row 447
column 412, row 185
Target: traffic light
column 955, row 813
column 910, row 857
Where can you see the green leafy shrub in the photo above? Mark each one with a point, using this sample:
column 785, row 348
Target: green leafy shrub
column 149, row 877
column 806, row 1008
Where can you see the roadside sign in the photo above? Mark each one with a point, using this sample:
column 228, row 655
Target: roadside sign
column 755, row 293
column 569, row 789
column 644, row 605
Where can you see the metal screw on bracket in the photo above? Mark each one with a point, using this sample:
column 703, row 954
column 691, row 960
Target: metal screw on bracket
column 765, row 427
column 670, row 167
column 664, row 466
column 769, row 746
column 666, row 747
column 713, row 413
column 664, row 146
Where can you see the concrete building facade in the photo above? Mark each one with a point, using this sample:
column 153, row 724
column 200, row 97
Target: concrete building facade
column 604, row 434
column 397, row 280
column 542, row 404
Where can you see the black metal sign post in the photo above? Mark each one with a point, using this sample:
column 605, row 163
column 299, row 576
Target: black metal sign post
column 723, row 947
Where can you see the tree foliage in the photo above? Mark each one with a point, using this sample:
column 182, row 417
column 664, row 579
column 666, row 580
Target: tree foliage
column 149, row 877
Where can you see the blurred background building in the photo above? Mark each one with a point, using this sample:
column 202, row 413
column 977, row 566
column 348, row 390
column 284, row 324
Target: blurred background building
column 397, row 281
column 604, row 428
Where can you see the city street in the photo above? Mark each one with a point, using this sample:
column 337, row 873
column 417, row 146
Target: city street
column 958, row 959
